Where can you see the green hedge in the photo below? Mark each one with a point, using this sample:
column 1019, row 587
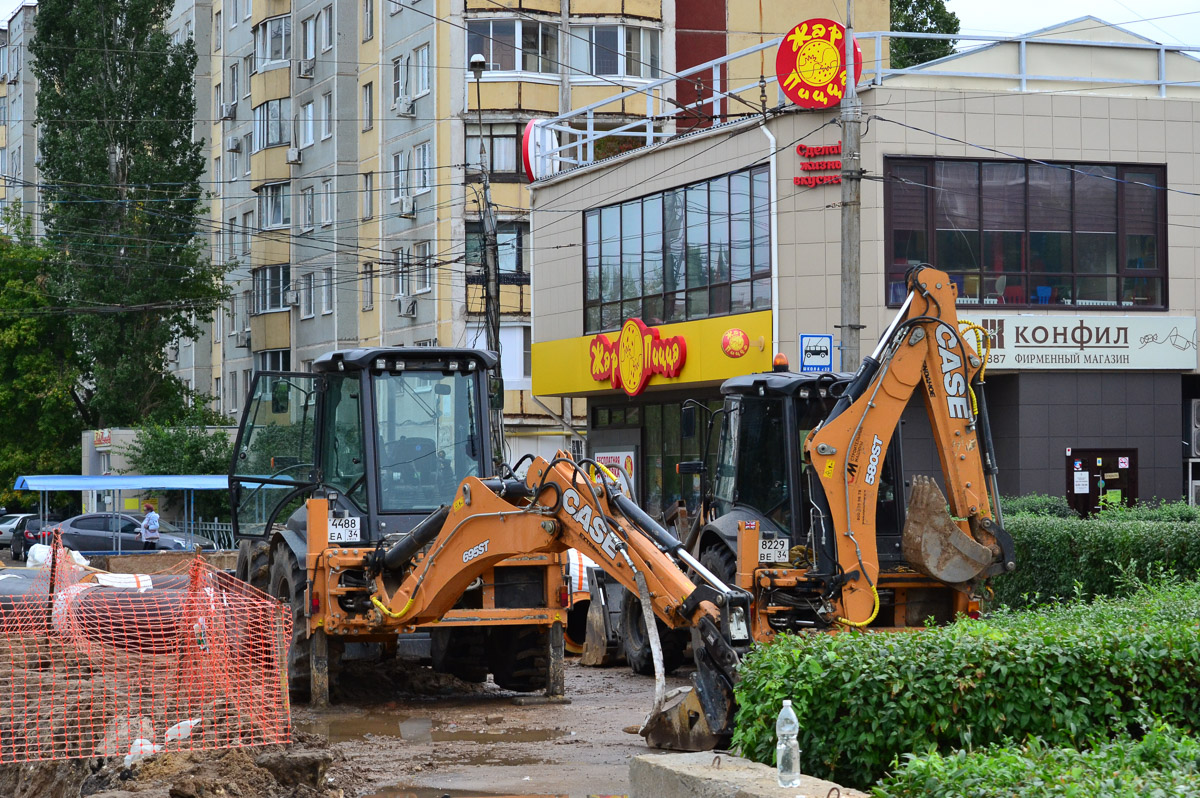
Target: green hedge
column 1164, row 762
column 1064, row 673
column 1060, row 557
column 1037, row 504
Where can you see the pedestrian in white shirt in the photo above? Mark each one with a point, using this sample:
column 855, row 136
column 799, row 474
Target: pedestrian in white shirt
column 148, row 533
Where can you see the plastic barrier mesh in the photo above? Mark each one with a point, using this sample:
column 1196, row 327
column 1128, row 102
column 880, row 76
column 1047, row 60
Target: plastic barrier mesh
column 117, row 665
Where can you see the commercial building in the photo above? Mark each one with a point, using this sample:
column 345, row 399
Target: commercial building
column 1052, row 175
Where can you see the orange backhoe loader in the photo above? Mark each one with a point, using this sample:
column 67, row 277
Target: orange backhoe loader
column 796, row 492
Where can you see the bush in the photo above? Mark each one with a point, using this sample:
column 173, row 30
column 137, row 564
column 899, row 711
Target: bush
column 1037, row 504
column 1066, row 674
column 1173, row 512
column 1164, row 762
column 1059, row 557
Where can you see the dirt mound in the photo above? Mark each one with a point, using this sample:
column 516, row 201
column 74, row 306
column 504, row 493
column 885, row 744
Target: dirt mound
column 295, row 771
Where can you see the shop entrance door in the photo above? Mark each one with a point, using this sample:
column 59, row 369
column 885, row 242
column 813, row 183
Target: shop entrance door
column 1096, row 475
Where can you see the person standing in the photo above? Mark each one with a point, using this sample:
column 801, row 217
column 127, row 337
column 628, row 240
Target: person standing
column 148, row 533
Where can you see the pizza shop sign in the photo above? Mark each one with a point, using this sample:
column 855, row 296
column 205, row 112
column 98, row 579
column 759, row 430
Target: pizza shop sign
column 638, row 353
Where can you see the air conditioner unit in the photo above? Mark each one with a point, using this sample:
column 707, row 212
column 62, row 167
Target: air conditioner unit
column 1194, row 493
column 406, row 207
column 405, row 106
column 229, row 110
column 241, row 339
column 291, row 298
column 233, row 144
column 306, row 67
column 407, row 307
column 293, row 155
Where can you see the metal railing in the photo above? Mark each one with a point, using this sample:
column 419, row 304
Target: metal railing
column 577, row 132
column 220, row 532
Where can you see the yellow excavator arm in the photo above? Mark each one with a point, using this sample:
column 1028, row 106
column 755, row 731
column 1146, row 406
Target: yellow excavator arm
column 923, row 350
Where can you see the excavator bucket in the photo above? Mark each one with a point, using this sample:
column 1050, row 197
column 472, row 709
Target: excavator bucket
column 936, row 546
column 681, row 725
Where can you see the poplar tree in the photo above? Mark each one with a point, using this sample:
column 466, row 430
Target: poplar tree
column 120, row 176
column 921, row 16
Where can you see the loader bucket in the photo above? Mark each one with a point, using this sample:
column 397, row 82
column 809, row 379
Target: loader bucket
column 934, row 544
column 681, row 725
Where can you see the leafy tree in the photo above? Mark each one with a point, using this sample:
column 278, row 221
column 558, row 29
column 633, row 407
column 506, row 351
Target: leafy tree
column 37, row 414
column 115, row 114
column 921, row 16
column 184, row 449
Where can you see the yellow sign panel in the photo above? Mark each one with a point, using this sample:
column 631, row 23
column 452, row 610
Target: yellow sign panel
column 565, row 367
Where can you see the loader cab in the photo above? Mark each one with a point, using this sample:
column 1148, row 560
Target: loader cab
column 760, row 456
column 386, row 434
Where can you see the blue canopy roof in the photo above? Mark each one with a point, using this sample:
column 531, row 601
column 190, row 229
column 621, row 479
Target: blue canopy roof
column 122, row 482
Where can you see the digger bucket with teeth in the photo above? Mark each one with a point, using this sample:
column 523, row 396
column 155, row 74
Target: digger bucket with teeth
column 934, row 544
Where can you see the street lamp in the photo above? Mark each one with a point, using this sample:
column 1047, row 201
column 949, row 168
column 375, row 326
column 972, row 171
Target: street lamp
column 478, row 62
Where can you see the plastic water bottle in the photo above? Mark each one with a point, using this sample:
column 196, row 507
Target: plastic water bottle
column 787, row 750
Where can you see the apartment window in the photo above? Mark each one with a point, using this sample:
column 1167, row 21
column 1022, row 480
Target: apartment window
column 233, row 13
column 247, row 230
column 368, row 195
column 307, row 304
column 270, row 284
column 327, row 291
column 3, row 111
column 327, row 202
column 247, row 70
column 368, row 17
column 218, row 397
column 499, row 148
column 233, row 82
column 233, row 392
column 327, row 28
column 249, row 9
column 247, row 147
column 216, row 171
column 326, row 115
column 218, row 256
column 273, row 360
column 422, row 268
column 422, row 56
column 273, row 43
column 691, row 252
column 399, row 176
column 620, row 50
column 401, row 275
column 308, row 29
column 218, row 96
column 399, row 80
column 422, row 181
column 306, row 125
column 218, row 31
column 512, row 44
column 512, row 253
column 1086, row 235
column 272, row 123
column 233, row 231
column 368, row 286
column 306, row 208
column 368, row 107
column 274, row 206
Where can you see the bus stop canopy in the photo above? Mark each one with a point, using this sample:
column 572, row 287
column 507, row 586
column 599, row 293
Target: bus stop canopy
column 65, row 482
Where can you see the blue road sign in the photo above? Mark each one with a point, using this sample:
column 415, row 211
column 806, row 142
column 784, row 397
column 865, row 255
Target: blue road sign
column 816, row 353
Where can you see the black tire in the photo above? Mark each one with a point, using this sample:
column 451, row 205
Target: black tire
column 254, row 564
column 460, row 652
column 636, row 643
column 518, row 657
column 18, row 549
column 721, row 561
column 287, row 583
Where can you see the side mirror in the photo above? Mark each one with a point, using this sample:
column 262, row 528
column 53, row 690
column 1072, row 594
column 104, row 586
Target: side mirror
column 687, row 422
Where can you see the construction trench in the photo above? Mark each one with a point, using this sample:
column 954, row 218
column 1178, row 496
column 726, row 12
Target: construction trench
column 394, row 729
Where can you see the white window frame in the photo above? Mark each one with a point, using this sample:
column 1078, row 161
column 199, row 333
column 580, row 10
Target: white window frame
column 368, row 18
column 307, row 211
column 271, row 284
column 233, row 14
column 401, row 276
column 275, row 205
column 367, row 286
column 218, row 178
column 421, row 60
column 273, row 131
column 218, row 31
column 326, row 291
column 327, row 207
column 368, row 195
column 422, row 268
column 368, row 105
column 247, row 231
column 399, row 79
column 327, row 28
column 308, row 33
column 248, row 146
column 306, row 125
column 326, row 115
column 264, row 37
column 582, row 55
column 421, row 161
column 233, row 81
column 491, row 40
column 307, row 301
column 399, row 176
column 247, row 67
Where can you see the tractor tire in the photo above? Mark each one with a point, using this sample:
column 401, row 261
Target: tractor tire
column 721, row 561
column 636, row 643
column 460, row 652
column 254, row 564
column 286, row 583
column 518, row 657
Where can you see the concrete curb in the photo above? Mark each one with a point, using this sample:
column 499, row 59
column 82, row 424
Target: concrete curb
column 713, row 775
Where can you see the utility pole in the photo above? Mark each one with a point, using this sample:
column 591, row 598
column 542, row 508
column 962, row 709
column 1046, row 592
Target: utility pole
column 491, row 270
column 851, row 118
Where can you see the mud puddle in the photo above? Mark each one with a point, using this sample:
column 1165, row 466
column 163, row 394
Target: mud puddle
column 348, row 727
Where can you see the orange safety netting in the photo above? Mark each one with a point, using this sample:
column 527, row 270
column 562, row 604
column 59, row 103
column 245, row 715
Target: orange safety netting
column 95, row 664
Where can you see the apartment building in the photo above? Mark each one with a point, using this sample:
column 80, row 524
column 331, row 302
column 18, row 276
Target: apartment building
column 18, row 159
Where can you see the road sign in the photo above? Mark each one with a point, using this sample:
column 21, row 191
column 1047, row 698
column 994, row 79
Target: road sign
column 816, row 353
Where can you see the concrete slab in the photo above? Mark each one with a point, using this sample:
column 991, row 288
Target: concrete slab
column 713, row 775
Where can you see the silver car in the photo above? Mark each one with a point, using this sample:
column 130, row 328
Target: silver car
column 100, row 532
column 7, row 524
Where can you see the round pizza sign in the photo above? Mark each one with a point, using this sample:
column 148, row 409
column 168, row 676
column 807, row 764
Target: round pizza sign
column 811, row 63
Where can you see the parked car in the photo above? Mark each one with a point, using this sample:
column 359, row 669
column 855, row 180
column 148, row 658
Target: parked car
column 7, row 524
column 98, row 532
column 30, row 530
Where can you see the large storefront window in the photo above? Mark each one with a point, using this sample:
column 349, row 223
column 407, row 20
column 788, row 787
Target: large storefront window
column 1019, row 233
column 688, row 253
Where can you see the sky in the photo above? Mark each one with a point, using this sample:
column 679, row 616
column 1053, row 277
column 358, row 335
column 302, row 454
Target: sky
column 1166, row 21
